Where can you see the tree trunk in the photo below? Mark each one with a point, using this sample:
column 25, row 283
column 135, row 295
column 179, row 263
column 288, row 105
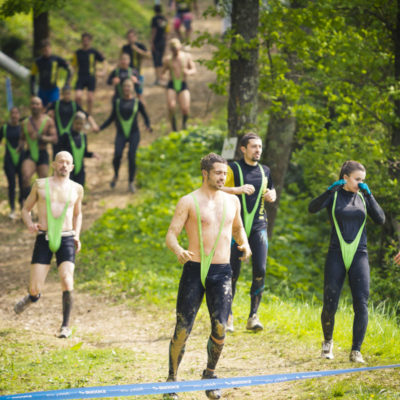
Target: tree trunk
column 242, row 103
column 278, row 146
column 40, row 30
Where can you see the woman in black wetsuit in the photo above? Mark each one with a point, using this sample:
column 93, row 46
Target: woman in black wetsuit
column 11, row 133
column 348, row 201
column 124, row 113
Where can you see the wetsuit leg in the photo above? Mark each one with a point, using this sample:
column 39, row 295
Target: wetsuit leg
column 190, row 296
column 10, row 172
column 334, row 276
column 219, row 302
column 236, row 265
column 359, row 279
column 133, row 145
column 119, row 145
column 259, row 247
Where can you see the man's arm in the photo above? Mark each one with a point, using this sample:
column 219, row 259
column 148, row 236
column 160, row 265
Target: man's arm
column 232, row 189
column 26, row 209
column 239, row 233
column 50, row 134
column 178, row 222
column 77, row 218
column 190, row 68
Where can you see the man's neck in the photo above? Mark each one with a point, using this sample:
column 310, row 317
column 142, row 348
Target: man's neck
column 36, row 117
column 61, row 180
column 210, row 193
column 250, row 162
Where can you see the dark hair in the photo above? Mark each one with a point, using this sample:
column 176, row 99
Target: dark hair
column 158, row 8
column 350, row 166
column 244, row 141
column 130, row 31
column 44, row 43
column 209, row 160
column 14, row 108
column 86, row 34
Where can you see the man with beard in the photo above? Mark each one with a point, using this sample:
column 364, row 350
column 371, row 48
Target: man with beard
column 59, row 203
column 252, row 183
column 210, row 218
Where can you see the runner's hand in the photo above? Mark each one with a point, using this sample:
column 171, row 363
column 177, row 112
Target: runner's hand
column 270, row 196
column 184, row 255
column 77, row 244
column 397, row 258
column 337, row 185
column 246, row 252
column 34, row 228
column 364, row 188
column 248, row 189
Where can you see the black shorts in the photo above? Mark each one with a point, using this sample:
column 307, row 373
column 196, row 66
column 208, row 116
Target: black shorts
column 43, row 255
column 88, row 82
column 183, row 87
column 43, row 157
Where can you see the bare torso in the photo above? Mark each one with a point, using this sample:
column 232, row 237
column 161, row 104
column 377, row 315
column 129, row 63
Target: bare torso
column 178, row 64
column 211, row 212
column 33, row 126
column 59, row 195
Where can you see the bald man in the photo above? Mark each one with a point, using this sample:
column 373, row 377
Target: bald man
column 37, row 131
column 59, row 204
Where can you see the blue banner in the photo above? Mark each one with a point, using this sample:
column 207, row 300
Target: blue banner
column 142, row 389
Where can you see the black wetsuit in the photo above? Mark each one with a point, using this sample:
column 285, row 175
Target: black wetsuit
column 350, row 214
column 135, row 57
column 126, row 109
column 122, row 74
column 64, row 112
column 65, row 144
column 12, row 135
column 159, row 23
column 47, row 69
column 190, row 296
column 85, row 61
column 136, row 63
column 258, row 238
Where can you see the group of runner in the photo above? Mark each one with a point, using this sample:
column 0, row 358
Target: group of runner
column 225, row 219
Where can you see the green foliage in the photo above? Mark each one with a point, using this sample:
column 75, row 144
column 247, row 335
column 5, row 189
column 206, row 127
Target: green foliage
column 124, row 253
column 12, row 7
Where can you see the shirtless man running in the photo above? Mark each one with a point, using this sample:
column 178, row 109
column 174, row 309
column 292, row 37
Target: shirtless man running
column 180, row 65
column 59, row 202
column 38, row 130
column 210, row 218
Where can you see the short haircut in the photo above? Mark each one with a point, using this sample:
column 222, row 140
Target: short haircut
column 130, row 31
column 244, row 141
column 350, row 166
column 175, row 43
column 80, row 116
column 44, row 43
column 209, row 160
column 158, row 8
column 86, row 34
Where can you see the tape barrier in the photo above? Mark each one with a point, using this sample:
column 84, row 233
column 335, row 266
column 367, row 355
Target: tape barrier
column 142, row 389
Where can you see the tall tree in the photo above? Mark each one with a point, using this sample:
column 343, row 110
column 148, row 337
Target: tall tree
column 40, row 16
column 243, row 86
